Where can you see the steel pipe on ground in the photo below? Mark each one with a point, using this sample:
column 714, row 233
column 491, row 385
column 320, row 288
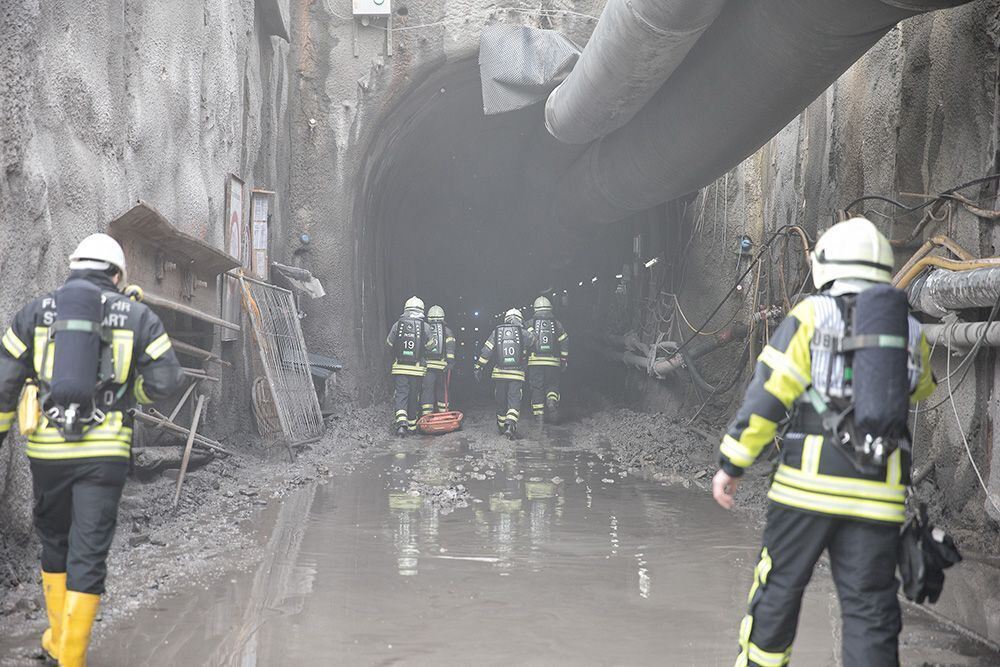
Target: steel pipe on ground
column 759, row 64
column 635, row 47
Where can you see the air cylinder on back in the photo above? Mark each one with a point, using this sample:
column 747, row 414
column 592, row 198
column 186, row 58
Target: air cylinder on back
column 77, row 355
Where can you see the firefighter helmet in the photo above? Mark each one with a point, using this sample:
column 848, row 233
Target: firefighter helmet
column 513, row 314
column 435, row 314
column 414, row 303
column 542, row 303
column 854, row 248
column 98, row 251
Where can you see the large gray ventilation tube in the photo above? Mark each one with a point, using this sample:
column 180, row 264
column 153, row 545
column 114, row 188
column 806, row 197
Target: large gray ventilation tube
column 636, row 46
column 759, row 64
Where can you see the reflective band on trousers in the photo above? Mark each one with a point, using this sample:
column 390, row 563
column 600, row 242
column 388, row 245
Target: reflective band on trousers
column 506, row 374
column 413, row 370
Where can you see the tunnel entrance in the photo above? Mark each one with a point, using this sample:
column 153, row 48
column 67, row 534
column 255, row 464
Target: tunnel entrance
column 455, row 207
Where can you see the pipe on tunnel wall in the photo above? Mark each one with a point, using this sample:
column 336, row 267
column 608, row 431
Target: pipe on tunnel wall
column 759, row 63
column 636, row 46
column 939, row 291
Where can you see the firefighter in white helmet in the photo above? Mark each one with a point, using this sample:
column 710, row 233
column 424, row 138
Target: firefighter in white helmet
column 434, row 393
column 844, row 365
column 507, row 347
column 84, row 355
column 410, row 340
column 547, row 361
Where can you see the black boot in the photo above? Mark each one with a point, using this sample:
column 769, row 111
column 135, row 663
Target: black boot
column 551, row 412
column 400, row 431
column 511, row 431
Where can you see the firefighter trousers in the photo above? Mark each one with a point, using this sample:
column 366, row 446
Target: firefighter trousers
column 433, row 394
column 75, row 514
column 863, row 564
column 406, row 395
column 544, row 382
column 507, row 394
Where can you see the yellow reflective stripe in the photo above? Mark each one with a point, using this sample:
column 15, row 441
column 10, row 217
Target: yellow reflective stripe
column 505, row 374
column 139, row 391
column 488, row 344
column 563, row 337
column 811, row 449
column 51, row 436
column 449, row 339
column 768, row 658
column 746, row 625
column 14, row 345
column 122, row 342
column 6, row 421
column 78, row 450
column 158, row 347
column 840, row 506
column 414, row 370
column 737, row 453
column 894, row 468
column 786, row 382
column 760, row 572
column 538, row 360
column 437, row 364
column 43, row 348
column 841, row 486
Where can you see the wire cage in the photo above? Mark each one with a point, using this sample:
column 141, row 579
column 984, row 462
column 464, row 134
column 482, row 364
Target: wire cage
column 285, row 400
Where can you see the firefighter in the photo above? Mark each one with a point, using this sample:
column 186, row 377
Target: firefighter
column 88, row 354
column 547, row 360
column 410, row 339
column 434, row 393
column 835, row 366
column 507, row 347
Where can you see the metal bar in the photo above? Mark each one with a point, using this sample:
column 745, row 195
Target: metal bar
column 193, row 373
column 176, row 410
column 160, row 302
column 186, row 458
column 195, row 351
column 963, row 334
column 158, row 420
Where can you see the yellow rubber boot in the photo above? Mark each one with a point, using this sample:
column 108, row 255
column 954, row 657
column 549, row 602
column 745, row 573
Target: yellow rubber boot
column 78, row 618
column 54, row 588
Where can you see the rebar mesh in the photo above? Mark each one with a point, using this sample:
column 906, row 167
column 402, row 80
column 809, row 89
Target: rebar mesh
column 275, row 323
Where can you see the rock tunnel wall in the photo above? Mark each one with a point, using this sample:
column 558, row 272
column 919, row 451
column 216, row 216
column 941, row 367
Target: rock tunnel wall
column 917, row 114
column 105, row 103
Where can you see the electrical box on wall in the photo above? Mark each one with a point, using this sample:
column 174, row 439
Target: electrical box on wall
column 372, row 7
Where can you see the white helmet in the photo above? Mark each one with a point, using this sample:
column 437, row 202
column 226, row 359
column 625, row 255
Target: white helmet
column 99, row 252
column 542, row 303
column 436, row 313
column 414, row 303
column 513, row 314
column 854, row 248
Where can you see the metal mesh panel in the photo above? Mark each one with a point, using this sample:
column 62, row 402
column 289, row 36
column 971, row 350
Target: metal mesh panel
column 274, row 319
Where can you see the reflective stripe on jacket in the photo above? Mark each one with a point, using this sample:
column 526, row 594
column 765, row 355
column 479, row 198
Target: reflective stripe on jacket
column 144, row 365
column 815, row 474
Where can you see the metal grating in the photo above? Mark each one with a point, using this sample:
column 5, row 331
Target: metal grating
column 275, row 324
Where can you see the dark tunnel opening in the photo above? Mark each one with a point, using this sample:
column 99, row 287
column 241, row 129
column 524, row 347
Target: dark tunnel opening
column 456, row 208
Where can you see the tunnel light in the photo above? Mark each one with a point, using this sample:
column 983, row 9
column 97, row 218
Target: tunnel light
column 476, row 329
column 565, row 291
column 475, row 313
column 594, row 279
column 581, row 283
column 463, row 328
column 618, row 276
column 652, row 262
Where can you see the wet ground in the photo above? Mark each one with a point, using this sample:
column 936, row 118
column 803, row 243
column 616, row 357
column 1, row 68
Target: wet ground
column 468, row 549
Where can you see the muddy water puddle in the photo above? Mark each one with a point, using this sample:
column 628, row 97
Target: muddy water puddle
column 455, row 552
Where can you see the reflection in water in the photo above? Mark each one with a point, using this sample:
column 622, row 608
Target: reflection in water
column 645, row 583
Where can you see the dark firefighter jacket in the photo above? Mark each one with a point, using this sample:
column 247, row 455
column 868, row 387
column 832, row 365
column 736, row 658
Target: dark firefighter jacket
column 429, row 345
column 560, row 345
column 814, row 474
column 145, row 366
column 444, row 340
column 490, row 352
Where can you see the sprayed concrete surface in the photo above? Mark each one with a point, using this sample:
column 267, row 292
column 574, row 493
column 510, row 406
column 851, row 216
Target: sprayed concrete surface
column 469, row 548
